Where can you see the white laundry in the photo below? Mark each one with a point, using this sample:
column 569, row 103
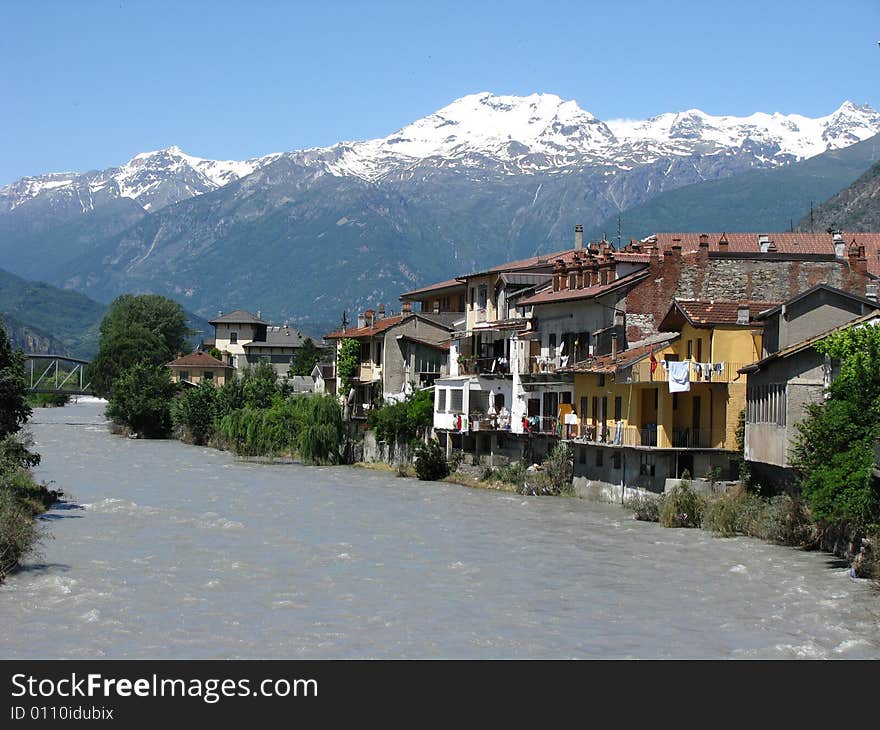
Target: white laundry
column 679, row 376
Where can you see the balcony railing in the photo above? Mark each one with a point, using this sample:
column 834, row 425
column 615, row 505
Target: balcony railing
column 483, row 366
column 620, row 435
column 542, row 364
column 368, row 373
column 718, row 372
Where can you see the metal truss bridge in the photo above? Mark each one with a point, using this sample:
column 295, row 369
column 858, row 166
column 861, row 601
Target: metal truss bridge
column 56, row 374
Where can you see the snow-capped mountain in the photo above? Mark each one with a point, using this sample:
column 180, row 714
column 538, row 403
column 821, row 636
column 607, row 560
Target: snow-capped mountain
column 518, row 135
column 152, row 179
column 544, row 132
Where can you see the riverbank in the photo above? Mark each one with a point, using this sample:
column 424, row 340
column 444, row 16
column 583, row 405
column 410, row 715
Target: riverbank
column 457, row 477
column 22, row 499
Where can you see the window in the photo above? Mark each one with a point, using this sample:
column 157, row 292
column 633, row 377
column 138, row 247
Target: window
column 767, row 404
column 584, row 405
column 455, row 400
column 615, row 460
column 233, row 338
column 441, row 400
column 700, row 350
column 618, row 408
column 184, row 374
column 566, row 397
column 690, row 349
column 600, row 457
column 499, row 401
column 379, row 353
column 582, row 455
column 601, row 377
column 208, row 375
column 482, row 296
column 553, row 344
column 365, row 351
column 647, row 465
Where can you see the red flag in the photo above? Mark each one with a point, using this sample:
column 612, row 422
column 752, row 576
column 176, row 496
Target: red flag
column 653, row 362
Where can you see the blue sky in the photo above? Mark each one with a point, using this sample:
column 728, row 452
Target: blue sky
column 88, row 84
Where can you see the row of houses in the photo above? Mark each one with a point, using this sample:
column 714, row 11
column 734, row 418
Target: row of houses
column 642, row 357
column 245, row 340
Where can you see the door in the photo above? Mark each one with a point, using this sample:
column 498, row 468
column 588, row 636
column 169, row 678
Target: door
column 695, row 425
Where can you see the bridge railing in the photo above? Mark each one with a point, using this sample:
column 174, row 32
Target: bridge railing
column 56, row 374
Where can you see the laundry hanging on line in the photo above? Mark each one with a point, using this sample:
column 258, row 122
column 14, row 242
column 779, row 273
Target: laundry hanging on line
column 679, row 376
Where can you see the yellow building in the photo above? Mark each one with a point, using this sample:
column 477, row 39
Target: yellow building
column 672, row 404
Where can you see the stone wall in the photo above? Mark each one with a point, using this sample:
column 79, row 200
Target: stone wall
column 730, row 277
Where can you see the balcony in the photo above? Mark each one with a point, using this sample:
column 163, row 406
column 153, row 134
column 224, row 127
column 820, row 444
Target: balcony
column 369, row 372
column 646, row 436
column 483, row 366
column 720, row 372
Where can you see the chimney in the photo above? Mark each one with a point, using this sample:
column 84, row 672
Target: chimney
column 871, row 292
column 259, row 314
column 704, row 240
column 219, row 312
column 381, row 314
column 614, row 347
column 579, row 236
column 370, row 317
column 723, row 242
column 839, row 244
column 742, row 314
column 619, row 318
column 362, row 321
column 406, row 307
column 676, row 246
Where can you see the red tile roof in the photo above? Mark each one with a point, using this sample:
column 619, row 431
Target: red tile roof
column 198, row 359
column 701, row 312
column 374, row 329
column 605, row 364
column 784, row 242
column 567, row 295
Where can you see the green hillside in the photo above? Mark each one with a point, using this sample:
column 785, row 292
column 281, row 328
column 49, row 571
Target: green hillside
column 855, row 208
column 44, row 318
column 759, row 200
column 59, row 315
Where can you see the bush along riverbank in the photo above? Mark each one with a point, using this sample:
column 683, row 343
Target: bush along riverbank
column 21, row 497
column 783, row 519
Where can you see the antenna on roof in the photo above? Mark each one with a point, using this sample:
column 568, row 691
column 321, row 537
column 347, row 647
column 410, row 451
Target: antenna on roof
column 618, row 231
column 811, row 217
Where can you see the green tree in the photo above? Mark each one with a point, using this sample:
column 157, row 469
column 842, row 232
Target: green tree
column 158, row 314
column 403, row 421
column 14, row 409
column 834, row 447
column 141, row 400
column 347, row 363
column 193, row 412
column 145, row 328
column 260, row 385
column 306, row 357
column 320, row 429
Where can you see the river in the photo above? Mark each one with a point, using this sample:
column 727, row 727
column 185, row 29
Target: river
column 164, row 550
